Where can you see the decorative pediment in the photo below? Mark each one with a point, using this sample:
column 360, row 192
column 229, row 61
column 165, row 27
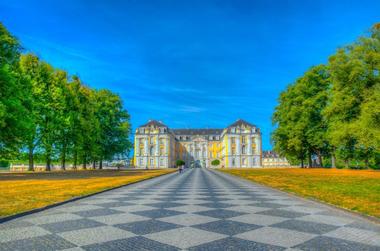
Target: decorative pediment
column 199, row 139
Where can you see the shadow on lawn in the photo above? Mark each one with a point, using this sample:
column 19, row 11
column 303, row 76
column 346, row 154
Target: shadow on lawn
column 78, row 174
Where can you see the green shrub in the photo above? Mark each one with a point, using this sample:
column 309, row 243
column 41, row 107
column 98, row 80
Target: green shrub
column 215, row 162
column 180, row 162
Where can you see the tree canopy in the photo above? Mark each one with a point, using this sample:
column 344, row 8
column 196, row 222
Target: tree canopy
column 44, row 111
column 333, row 110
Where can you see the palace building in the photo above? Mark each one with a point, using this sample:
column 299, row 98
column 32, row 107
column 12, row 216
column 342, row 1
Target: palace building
column 158, row 146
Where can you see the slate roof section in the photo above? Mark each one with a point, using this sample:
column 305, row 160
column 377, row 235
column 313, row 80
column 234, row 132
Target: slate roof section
column 270, row 154
column 197, row 131
column 241, row 122
column 154, row 123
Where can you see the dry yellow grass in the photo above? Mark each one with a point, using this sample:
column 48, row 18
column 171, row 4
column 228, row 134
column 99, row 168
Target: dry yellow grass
column 356, row 190
column 25, row 191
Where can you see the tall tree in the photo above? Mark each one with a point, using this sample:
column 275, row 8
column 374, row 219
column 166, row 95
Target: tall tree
column 12, row 122
column 300, row 125
column 354, row 75
column 29, row 75
column 114, row 126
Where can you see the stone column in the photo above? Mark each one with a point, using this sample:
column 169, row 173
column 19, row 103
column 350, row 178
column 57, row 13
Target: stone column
column 229, row 145
column 157, row 146
column 146, row 150
column 258, row 145
column 229, row 151
column 238, row 152
column 166, row 146
column 249, row 149
column 249, row 152
column 259, row 150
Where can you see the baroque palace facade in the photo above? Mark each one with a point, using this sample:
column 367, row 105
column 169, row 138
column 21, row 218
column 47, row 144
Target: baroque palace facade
column 157, row 146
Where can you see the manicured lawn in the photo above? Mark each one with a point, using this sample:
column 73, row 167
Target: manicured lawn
column 357, row 190
column 25, row 191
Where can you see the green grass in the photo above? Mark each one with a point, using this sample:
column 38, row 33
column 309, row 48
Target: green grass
column 356, row 190
column 29, row 190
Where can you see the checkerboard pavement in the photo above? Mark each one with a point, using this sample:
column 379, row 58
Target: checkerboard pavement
column 199, row 209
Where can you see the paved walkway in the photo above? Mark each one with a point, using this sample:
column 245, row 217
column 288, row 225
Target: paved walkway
column 196, row 210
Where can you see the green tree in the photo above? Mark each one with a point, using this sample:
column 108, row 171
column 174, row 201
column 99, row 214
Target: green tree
column 354, row 73
column 114, row 126
column 12, row 122
column 179, row 162
column 215, row 162
column 29, row 76
column 301, row 128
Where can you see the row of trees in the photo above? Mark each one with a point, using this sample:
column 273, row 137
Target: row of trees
column 333, row 111
column 45, row 111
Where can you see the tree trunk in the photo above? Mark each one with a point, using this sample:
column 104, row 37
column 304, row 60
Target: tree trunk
column 346, row 163
column 48, row 163
column 31, row 159
column 302, row 165
column 366, row 161
column 101, row 164
column 75, row 159
column 333, row 160
column 320, row 160
column 84, row 162
column 94, row 164
column 309, row 159
column 48, row 159
column 63, row 157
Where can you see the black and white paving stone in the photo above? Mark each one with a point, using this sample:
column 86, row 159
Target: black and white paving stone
column 199, row 209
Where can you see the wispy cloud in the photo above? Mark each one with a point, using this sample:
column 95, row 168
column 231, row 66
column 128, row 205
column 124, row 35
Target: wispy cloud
column 191, row 109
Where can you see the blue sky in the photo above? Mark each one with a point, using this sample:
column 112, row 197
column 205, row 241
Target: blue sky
column 194, row 63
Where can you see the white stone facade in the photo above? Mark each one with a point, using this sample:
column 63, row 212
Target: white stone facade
column 237, row 146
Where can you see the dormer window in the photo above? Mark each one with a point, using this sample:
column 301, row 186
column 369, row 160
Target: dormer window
column 233, row 129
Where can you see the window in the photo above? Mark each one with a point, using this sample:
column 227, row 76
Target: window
column 161, row 151
column 140, row 162
column 151, row 151
column 161, row 162
column 243, row 149
column 243, row 161
column 233, row 150
column 233, row 162
column 151, row 162
column 243, row 140
column 233, row 130
column 232, row 140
